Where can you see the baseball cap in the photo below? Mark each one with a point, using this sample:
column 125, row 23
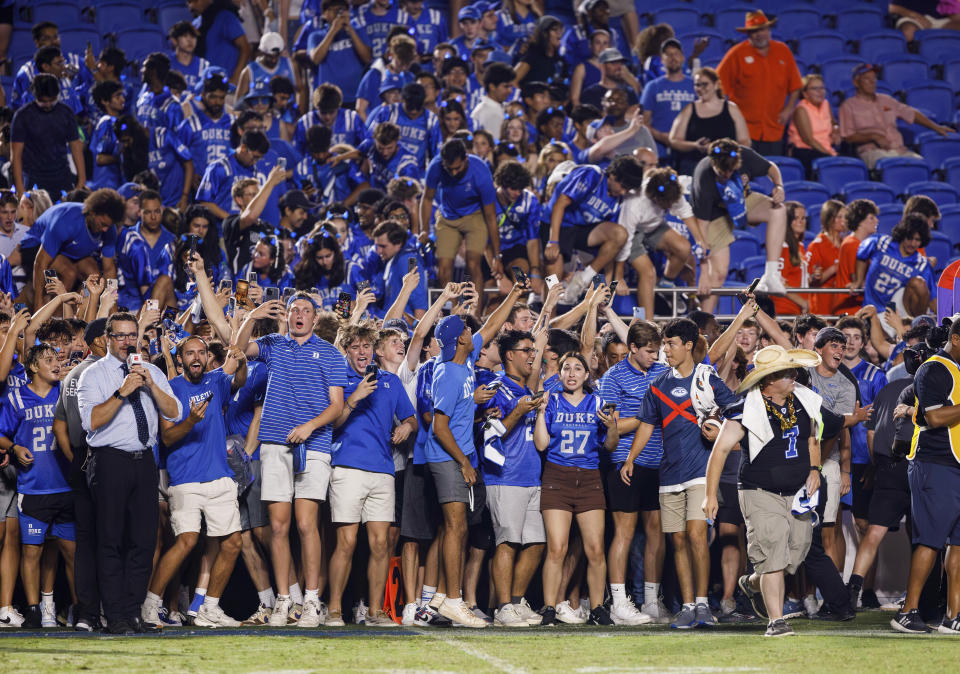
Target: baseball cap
column 865, row 68
column 489, row 6
column 470, row 12
column 129, row 190
column 260, row 90
column 391, row 81
column 482, row 44
column 271, row 42
column 827, row 335
column 498, row 56
column 590, row 4
column 670, row 42
column 447, row 333
column 295, row 199
column 94, row 329
column 397, row 324
column 610, row 55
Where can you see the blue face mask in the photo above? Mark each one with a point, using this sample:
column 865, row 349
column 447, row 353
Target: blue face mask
column 732, row 193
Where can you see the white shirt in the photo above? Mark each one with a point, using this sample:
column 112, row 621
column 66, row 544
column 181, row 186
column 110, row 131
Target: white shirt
column 640, row 216
column 488, row 115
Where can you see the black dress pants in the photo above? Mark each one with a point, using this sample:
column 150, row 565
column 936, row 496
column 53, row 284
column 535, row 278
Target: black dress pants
column 85, row 558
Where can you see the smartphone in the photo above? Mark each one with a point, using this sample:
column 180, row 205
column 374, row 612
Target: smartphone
column 18, row 307
column 152, row 305
column 111, row 284
column 49, row 274
column 225, row 284
column 343, row 304
column 282, row 162
column 639, row 312
column 271, row 293
column 892, row 306
column 193, row 245
column 538, row 394
column 598, row 280
column 519, row 275
column 744, row 297
column 609, row 408
column 613, row 287
column 252, row 278
column 169, row 314
column 232, row 307
column 411, row 264
column 287, row 294
column 241, row 293
column 494, row 385
column 371, row 369
column 76, row 357
column 362, row 285
column 551, row 281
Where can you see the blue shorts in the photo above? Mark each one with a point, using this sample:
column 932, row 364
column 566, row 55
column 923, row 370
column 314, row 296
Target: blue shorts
column 43, row 515
column 935, row 503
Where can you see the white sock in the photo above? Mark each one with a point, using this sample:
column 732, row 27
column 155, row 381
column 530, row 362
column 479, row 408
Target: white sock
column 283, row 597
column 426, row 594
column 651, row 593
column 296, row 594
column 46, row 598
column 587, row 274
column 772, row 268
column 619, row 592
column 267, row 598
column 153, row 599
column 312, row 594
column 701, row 600
column 211, row 602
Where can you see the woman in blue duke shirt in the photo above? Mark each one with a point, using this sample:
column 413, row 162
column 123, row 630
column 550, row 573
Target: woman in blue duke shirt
column 323, row 267
column 264, row 264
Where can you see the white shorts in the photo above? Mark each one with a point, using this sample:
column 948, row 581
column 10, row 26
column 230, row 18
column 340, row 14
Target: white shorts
column 281, row 485
column 361, row 496
column 831, row 473
column 515, row 513
column 215, row 502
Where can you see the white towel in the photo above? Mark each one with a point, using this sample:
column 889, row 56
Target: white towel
column 755, row 420
column 493, row 430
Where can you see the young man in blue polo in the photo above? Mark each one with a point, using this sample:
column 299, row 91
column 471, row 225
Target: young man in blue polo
column 362, row 485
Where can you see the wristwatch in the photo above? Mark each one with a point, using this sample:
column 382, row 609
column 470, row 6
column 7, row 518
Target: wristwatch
column 116, row 394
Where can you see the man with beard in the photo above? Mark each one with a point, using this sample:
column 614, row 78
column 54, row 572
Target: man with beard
column 664, row 98
column 201, row 481
column 206, row 133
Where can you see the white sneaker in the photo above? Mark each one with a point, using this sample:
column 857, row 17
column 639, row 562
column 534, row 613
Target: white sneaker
column 214, row 617
column 48, row 615
column 626, row 613
column 150, row 613
column 436, row 601
column 657, row 612
column 293, row 615
column 727, row 606
column 525, row 611
column 334, row 619
column 566, row 614
column 772, row 285
column 575, row 288
column 278, row 618
column 811, row 605
column 380, row 619
column 508, row 617
column 460, row 614
column 261, row 617
column 360, row 611
column 409, row 614
column 310, row 616
column 12, row 619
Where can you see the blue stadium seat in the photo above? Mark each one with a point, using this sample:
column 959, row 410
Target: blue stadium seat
column 951, row 171
column 950, row 221
column 876, row 192
column 743, row 247
column 715, row 50
column 942, row 193
column 821, row 45
column 838, row 72
column 22, row 47
column 753, row 267
column 938, row 45
column 951, row 73
column 727, row 305
column 683, row 18
column 728, row 19
column 859, row 20
column 790, row 169
column 898, row 172
column 62, row 12
column 937, row 149
column 167, row 16
column 940, row 247
column 902, row 71
column 813, row 222
column 763, row 185
column 835, row 172
column 798, row 20
column 138, row 42
column 934, row 95
column 74, row 40
column 112, row 17
column 811, row 233
column 876, row 46
column 888, row 217
column 806, row 192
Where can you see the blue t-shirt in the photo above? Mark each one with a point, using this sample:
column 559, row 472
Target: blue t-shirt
column 201, row 455
column 591, row 204
column 341, row 66
column 452, row 393
column 459, row 197
column 521, row 467
column 347, row 128
column 63, row 231
column 220, row 50
column 298, row 381
column 206, row 139
column 888, row 270
column 27, row 420
column 518, row 222
column 240, row 409
column 192, row 72
column 576, row 431
column 103, row 141
column 626, row 386
column 167, row 155
column 363, row 441
column 870, row 379
column 665, row 99
column 667, row 404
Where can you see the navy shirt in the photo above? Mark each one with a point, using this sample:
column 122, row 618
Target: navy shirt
column 45, row 136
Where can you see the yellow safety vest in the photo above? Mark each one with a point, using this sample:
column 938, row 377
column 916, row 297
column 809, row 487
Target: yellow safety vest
column 954, row 397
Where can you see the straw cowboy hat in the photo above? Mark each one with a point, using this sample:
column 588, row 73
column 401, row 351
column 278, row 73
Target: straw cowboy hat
column 755, row 21
column 775, row 358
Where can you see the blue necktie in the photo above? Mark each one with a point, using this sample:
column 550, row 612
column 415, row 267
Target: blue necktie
column 143, row 431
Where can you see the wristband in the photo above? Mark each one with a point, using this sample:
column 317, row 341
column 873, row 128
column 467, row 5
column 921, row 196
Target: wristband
column 352, row 408
column 532, row 275
column 776, row 186
column 555, row 243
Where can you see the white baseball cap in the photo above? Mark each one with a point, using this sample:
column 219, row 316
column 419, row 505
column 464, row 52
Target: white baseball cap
column 271, row 42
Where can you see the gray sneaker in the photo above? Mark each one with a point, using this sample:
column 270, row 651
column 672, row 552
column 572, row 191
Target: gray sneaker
column 755, row 597
column 686, row 619
column 704, row 617
column 778, row 628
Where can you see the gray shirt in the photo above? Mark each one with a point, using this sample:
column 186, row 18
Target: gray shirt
column 839, row 394
column 67, row 409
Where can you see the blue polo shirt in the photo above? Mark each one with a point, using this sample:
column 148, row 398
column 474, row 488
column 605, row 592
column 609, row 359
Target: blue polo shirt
column 201, row 456
column 363, row 441
column 452, row 393
column 240, row 409
column 63, row 230
column 521, row 467
column 625, row 386
column 298, row 382
column 459, row 197
column 586, row 186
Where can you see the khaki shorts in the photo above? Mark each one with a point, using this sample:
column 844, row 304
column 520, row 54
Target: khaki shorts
column 280, row 484
column 451, row 232
column 361, row 496
column 776, row 539
column 679, row 507
column 214, row 501
column 720, row 231
column 831, row 474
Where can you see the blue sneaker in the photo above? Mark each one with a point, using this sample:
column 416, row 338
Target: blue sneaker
column 173, row 619
column 704, row 617
column 686, row 619
column 793, row 609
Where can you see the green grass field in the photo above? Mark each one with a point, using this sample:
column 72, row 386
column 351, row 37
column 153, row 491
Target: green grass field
column 864, row 645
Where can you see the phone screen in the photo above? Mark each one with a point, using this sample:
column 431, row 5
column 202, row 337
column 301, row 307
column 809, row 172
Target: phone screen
column 241, row 294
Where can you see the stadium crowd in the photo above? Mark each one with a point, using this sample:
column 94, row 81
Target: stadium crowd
column 466, row 292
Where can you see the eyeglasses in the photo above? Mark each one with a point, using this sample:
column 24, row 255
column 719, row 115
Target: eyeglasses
column 123, row 336
column 701, row 85
column 529, row 350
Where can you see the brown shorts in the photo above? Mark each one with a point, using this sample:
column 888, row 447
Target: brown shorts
column 451, row 232
column 720, row 231
column 576, row 490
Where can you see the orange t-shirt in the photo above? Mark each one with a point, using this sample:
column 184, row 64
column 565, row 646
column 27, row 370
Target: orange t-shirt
column 847, row 304
column 794, row 276
column 760, row 85
column 823, row 253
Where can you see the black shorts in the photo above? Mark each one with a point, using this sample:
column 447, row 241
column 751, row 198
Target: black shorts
column 421, row 516
column 570, row 239
column 518, row 252
column 861, row 496
column 643, row 492
column 729, row 511
column 398, row 495
column 890, row 501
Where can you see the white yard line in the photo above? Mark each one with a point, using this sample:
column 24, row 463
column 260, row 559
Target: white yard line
column 459, row 644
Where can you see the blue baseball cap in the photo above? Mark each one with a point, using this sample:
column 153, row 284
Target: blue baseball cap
column 261, row 90
column 489, row 6
column 482, row 44
column 391, row 81
column 447, row 333
column 470, row 12
column 129, row 190
column 498, row 56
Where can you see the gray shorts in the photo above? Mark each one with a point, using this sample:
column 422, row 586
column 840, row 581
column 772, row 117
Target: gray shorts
column 449, row 482
column 515, row 512
column 8, row 492
column 645, row 243
column 253, row 513
column 777, row 540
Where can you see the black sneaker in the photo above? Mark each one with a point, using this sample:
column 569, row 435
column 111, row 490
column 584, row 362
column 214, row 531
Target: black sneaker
column 828, row 614
column 549, row 614
column 600, row 616
column 141, row 627
column 778, row 628
column 910, row 622
column 32, row 618
column 120, row 628
column 869, row 601
column 854, row 596
column 755, row 597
